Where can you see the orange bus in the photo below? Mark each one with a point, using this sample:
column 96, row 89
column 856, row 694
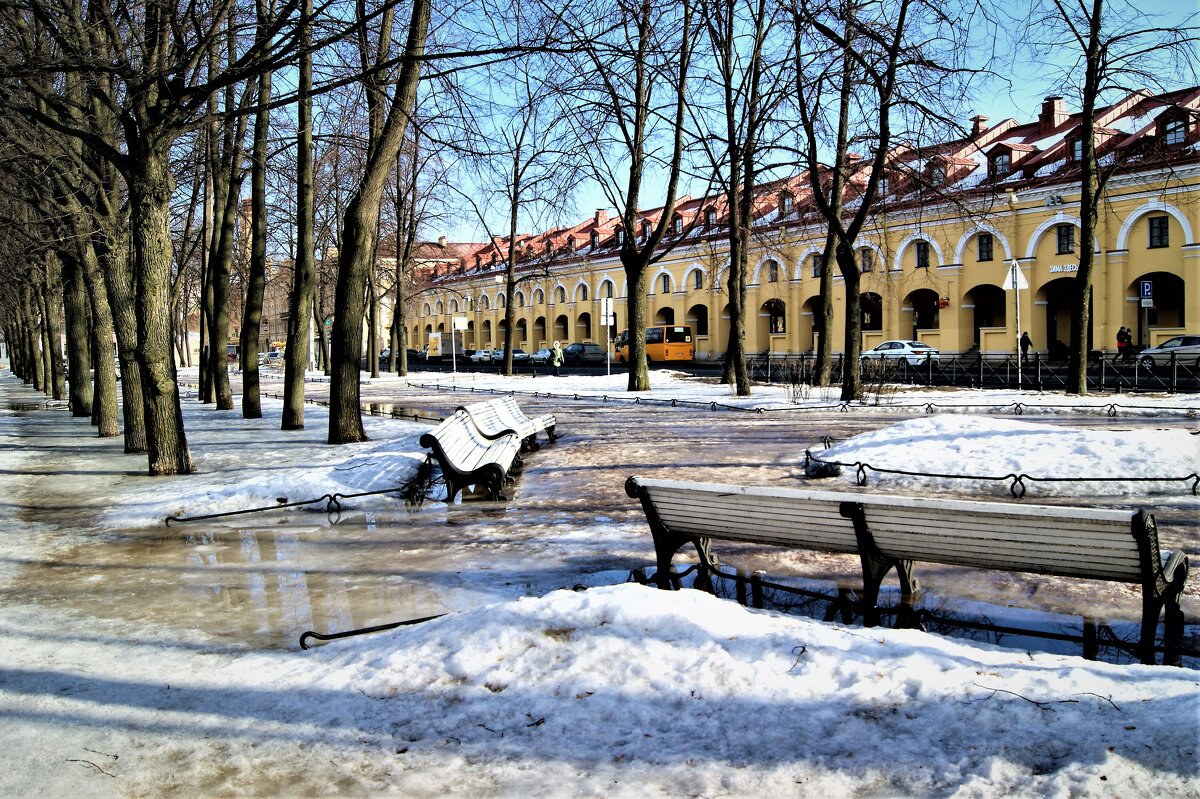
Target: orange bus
column 663, row 343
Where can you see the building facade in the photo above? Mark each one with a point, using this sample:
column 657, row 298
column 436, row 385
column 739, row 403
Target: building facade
column 937, row 258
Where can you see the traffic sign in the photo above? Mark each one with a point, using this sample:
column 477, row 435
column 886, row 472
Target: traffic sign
column 1147, row 289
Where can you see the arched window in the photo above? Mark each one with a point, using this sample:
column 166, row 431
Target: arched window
column 485, row 303
column 772, row 271
column 697, row 279
column 560, row 294
column 520, row 298
column 922, row 251
column 607, row 288
column 583, row 293
column 500, row 300
column 666, row 283
column 440, row 308
column 453, row 306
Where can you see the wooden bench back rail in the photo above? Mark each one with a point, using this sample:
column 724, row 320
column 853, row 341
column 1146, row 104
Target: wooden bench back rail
column 889, row 532
column 467, row 457
column 502, row 416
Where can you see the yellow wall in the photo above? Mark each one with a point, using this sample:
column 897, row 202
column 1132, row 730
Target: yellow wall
column 976, row 306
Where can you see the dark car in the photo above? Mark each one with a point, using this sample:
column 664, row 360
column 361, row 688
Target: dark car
column 576, row 354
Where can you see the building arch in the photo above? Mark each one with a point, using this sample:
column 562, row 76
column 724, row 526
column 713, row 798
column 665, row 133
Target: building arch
column 910, row 240
column 581, row 292
column 521, row 337
column 1168, row 310
column 583, row 327
column 485, row 334
column 1152, row 207
column 664, row 316
column 697, row 319
column 693, row 279
column 804, row 259
column 871, row 307
column 539, row 331
column 988, row 304
column 1049, row 224
column 561, row 327
column 960, row 249
column 759, row 275
column 920, row 311
column 772, row 320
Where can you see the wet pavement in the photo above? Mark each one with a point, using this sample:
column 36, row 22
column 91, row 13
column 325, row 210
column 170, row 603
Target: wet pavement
column 260, row 581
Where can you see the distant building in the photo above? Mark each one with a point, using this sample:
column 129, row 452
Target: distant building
column 936, row 259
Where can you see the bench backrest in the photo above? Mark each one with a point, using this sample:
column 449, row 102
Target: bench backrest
column 1044, row 539
column 465, row 447
column 780, row 516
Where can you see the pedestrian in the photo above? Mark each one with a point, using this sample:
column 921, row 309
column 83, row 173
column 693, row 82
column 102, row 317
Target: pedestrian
column 1123, row 344
column 556, row 358
column 1026, row 343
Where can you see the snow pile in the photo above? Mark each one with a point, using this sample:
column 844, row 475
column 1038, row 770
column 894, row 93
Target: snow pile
column 951, row 444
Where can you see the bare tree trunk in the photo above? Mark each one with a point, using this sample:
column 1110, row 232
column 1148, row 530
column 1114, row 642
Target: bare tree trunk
column 257, row 279
column 358, row 242
column 150, row 224
column 79, row 358
column 299, row 335
column 104, row 398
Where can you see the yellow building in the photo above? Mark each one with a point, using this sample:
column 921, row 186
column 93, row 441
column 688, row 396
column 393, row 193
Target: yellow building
column 936, row 258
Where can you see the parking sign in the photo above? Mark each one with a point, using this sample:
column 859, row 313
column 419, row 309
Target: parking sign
column 1147, row 292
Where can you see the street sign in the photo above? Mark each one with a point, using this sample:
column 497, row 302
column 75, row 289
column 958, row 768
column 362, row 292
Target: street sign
column 460, row 323
column 607, row 319
column 1016, row 278
column 1147, row 302
column 1147, row 290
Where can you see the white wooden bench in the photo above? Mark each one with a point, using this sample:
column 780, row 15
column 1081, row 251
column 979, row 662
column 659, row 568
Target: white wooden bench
column 891, row 532
column 467, row 457
column 502, row 416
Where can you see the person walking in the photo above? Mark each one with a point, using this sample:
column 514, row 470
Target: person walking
column 1123, row 345
column 1026, row 343
column 556, row 358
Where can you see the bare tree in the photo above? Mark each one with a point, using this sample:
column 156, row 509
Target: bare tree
column 627, row 53
column 1117, row 49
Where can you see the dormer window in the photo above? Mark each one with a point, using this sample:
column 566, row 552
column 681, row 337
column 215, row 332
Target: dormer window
column 619, row 236
column 1001, row 164
column 1174, row 131
column 478, row 261
column 937, row 174
column 677, row 225
column 571, row 243
column 645, row 229
column 786, row 204
column 594, row 239
column 549, row 247
column 1076, row 148
column 710, row 217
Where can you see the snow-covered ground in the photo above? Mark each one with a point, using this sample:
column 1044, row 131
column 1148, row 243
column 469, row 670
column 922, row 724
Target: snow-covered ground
column 618, row 690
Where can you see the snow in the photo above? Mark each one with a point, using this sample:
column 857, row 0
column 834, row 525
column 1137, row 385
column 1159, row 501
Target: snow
column 617, row 690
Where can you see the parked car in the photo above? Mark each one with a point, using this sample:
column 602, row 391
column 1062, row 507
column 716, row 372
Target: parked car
column 481, row 356
column 577, row 353
column 1186, row 350
column 542, row 356
column 413, row 355
column 914, row 352
column 519, row 356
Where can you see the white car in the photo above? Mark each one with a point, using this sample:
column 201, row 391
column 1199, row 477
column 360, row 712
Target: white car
column 914, row 352
column 481, row 356
column 1186, row 350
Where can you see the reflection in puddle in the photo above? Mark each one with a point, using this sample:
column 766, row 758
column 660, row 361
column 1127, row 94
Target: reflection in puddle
column 262, row 586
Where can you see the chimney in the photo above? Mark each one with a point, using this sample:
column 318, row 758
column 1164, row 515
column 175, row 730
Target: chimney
column 979, row 125
column 1054, row 113
column 601, row 216
column 442, row 241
